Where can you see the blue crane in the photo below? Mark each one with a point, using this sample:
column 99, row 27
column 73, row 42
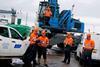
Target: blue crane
column 59, row 22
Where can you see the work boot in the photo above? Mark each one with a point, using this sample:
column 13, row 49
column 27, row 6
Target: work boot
column 27, row 65
column 35, row 62
column 45, row 61
column 68, row 62
column 46, row 65
column 34, row 65
column 64, row 61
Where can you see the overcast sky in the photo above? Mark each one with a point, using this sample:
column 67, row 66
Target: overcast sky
column 85, row 10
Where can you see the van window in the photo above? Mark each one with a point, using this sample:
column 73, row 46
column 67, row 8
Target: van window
column 4, row 32
column 14, row 34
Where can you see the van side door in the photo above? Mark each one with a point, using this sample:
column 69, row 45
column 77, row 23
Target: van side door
column 16, row 43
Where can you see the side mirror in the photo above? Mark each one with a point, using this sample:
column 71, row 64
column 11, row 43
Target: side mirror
column 23, row 38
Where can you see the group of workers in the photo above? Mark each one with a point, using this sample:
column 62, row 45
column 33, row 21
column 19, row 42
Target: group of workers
column 38, row 45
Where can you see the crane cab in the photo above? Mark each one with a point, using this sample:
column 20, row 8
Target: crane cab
column 42, row 7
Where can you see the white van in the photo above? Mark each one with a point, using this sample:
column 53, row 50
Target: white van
column 12, row 43
column 96, row 51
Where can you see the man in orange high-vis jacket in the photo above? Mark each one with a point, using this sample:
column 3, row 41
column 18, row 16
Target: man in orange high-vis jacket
column 68, row 42
column 33, row 36
column 47, row 15
column 89, row 43
column 42, row 47
column 30, row 54
column 88, row 47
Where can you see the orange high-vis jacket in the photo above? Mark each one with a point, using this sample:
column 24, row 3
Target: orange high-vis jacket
column 47, row 13
column 68, row 41
column 33, row 38
column 44, row 41
column 89, row 44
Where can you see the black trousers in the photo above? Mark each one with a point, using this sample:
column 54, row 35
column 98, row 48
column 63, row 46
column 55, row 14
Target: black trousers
column 86, row 56
column 42, row 51
column 67, row 51
column 30, row 55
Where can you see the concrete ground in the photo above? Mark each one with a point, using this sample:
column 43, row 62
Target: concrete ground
column 54, row 60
